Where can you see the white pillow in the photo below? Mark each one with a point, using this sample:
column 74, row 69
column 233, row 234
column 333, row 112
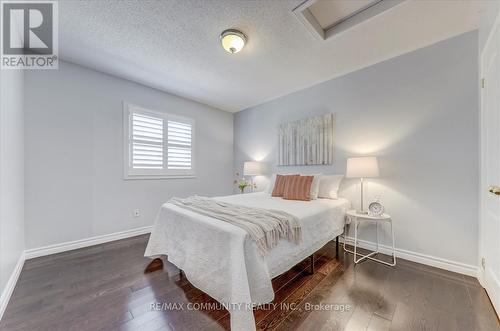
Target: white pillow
column 272, row 181
column 329, row 186
column 314, row 185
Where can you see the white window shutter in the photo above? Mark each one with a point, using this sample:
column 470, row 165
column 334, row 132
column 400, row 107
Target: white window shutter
column 147, row 141
column 179, row 145
column 157, row 144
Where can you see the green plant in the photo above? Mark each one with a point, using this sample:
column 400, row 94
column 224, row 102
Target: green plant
column 243, row 183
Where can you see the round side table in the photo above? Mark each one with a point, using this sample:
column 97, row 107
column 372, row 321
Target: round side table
column 357, row 218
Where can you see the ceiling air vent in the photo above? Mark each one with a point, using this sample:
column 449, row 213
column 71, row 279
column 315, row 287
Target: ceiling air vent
column 326, row 18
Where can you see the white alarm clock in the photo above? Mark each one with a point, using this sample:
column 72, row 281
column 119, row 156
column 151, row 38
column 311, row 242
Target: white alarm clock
column 375, row 208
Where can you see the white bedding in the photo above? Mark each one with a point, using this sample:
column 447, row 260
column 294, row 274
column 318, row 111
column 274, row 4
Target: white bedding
column 223, row 261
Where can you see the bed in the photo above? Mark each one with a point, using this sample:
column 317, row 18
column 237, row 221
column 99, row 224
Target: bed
column 220, row 258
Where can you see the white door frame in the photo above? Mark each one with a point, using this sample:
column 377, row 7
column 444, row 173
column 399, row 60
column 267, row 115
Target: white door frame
column 482, row 164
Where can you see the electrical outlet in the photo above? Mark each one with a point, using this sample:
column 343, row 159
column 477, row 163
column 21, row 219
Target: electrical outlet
column 137, row 213
column 483, row 263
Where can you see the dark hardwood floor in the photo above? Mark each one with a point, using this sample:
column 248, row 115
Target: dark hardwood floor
column 104, row 288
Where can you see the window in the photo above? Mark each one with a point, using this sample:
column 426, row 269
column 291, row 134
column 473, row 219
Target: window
column 157, row 144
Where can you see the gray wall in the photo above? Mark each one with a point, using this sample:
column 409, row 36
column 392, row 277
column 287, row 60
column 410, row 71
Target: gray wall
column 419, row 114
column 11, row 172
column 74, row 161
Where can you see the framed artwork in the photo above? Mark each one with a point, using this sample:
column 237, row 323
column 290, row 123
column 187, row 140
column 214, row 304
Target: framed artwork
column 307, row 142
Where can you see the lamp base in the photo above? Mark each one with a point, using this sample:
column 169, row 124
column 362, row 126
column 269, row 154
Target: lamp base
column 361, row 211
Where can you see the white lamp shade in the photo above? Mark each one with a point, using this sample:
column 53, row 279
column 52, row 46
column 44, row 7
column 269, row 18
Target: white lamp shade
column 252, row 168
column 362, row 167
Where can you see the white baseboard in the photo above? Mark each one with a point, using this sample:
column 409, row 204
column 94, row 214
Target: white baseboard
column 490, row 282
column 59, row 248
column 11, row 284
column 432, row 261
column 71, row 245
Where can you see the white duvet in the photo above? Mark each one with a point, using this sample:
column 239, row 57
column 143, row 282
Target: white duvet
column 224, row 262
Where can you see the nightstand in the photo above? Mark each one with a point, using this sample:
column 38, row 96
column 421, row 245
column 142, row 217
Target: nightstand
column 356, row 219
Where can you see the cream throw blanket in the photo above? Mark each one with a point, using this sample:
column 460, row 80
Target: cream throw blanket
column 266, row 227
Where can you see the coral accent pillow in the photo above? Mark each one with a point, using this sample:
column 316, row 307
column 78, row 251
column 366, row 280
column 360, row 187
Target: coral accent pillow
column 298, row 188
column 279, row 184
column 272, row 181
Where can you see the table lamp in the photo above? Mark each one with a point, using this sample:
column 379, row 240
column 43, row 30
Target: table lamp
column 362, row 167
column 252, row 168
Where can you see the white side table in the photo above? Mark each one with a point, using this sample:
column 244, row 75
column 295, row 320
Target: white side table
column 356, row 218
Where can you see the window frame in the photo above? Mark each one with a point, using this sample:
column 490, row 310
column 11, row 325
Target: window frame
column 129, row 172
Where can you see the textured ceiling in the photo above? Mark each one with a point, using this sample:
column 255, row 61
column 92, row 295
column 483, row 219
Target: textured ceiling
column 174, row 45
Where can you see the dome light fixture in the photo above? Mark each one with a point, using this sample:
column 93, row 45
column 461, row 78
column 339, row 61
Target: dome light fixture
column 233, row 40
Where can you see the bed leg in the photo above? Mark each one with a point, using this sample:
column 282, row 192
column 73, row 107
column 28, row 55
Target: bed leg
column 337, row 247
column 156, row 264
column 312, row 264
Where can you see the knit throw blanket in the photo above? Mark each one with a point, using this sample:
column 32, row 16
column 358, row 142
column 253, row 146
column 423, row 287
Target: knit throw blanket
column 265, row 227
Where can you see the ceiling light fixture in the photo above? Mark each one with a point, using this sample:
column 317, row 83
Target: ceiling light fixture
column 233, row 40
